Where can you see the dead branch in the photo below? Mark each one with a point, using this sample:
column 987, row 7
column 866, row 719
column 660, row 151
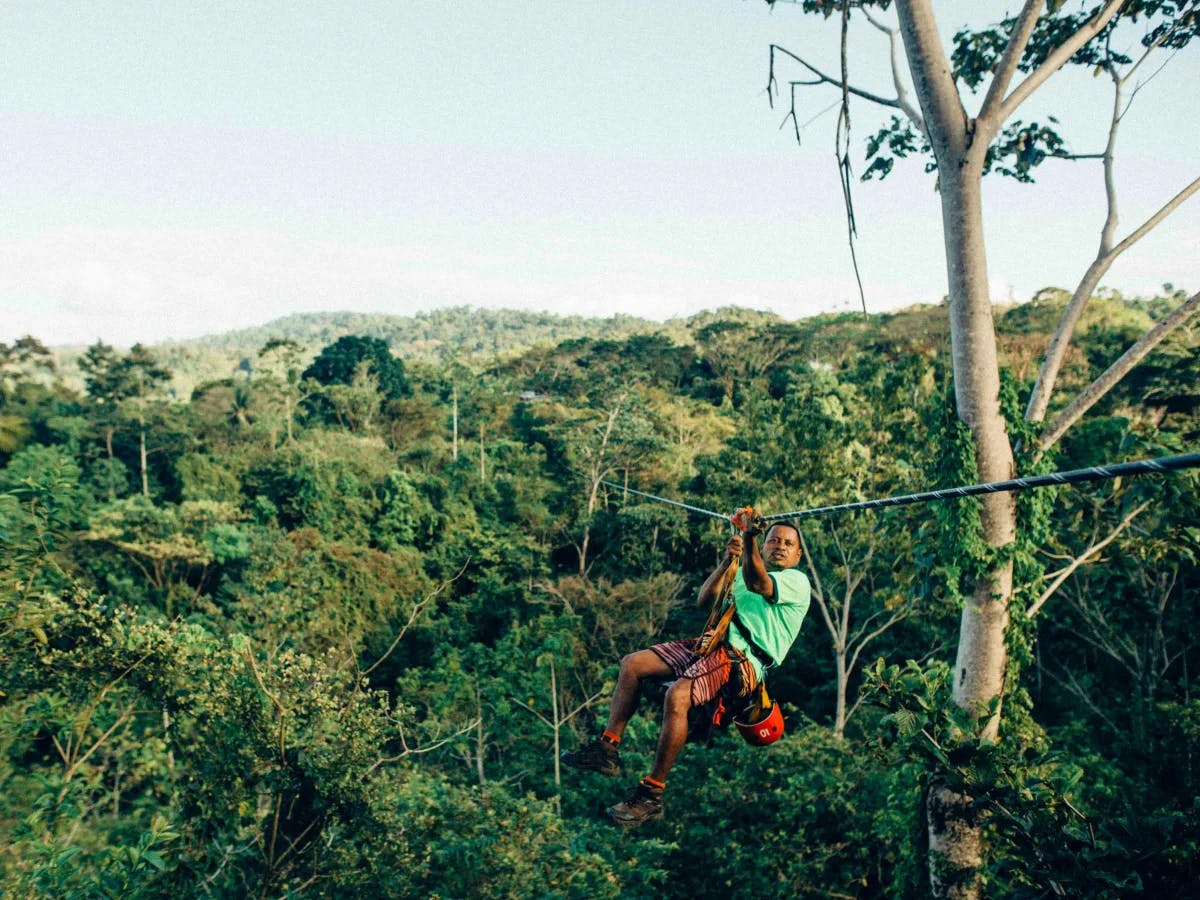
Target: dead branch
column 418, row 607
column 557, row 594
column 1114, row 643
column 1087, row 555
column 295, row 842
column 411, row 751
column 818, row 591
column 567, row 718
column 822, row 78
column 1080, row 692
column 861, row 644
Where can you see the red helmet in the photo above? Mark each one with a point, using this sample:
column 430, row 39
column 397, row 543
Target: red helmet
column 766, row 730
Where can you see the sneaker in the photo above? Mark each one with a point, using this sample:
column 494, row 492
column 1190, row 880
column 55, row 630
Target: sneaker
column 644, row 805
column 598, row 755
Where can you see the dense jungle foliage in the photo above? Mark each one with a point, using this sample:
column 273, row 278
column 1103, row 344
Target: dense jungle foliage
column 321, row 626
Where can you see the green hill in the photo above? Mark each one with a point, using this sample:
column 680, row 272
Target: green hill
column 460, row 332
column 481, row 336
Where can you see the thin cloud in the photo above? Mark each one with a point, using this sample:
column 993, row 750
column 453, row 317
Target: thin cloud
column 126, row 285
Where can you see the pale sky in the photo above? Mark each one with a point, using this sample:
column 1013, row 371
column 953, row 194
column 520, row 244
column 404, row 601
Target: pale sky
column 170, row 169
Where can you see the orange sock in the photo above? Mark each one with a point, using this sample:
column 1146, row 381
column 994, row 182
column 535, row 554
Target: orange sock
column 654, row 783
column 614, row 739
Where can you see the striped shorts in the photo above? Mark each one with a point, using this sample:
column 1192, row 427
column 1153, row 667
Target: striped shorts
column 708, row 674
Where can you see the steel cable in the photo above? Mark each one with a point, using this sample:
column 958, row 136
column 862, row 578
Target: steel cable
column 1094, row 473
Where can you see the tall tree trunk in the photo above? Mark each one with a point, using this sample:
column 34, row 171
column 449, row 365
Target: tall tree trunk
column 979, row 672
column 955, row 843
column 959, row 145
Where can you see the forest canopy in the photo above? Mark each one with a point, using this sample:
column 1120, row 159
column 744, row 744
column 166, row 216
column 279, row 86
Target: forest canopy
column 308, row 613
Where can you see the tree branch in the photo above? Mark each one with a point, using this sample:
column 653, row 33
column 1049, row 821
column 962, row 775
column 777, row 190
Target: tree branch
column 84, row 720
column 1056, row 60
column 1039, row 397
column 1069, row 570
column 416, row 611
column 1105, row 256
column 565, row 719
column 1007, row 67
column 124, row 717
column 822, row 78
column 1167, row 33
column 1167, row 208
column 862, row 642
column 816, row 577
column 851, row 583
column 275, row 701
column 818, row 593
column 407, row 751
column 902, row 99
column 1118, row 370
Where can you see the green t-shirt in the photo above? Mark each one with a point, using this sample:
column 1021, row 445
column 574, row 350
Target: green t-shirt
column 773, row 624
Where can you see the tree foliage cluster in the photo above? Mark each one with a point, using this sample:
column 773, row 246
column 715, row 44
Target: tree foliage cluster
column 322, row 628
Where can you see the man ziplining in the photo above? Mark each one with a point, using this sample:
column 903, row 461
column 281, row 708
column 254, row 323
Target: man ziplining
column 758, row 607
column 769, row 598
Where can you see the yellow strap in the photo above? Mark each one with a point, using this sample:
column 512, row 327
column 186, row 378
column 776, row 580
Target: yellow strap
column 759, row 705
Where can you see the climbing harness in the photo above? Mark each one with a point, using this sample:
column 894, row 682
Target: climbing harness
column 1094, row 473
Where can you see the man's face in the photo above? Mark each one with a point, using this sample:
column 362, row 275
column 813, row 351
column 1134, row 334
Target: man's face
column 781, row 549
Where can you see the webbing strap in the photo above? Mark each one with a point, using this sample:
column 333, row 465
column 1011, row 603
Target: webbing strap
column 764, row 657
column 720, row 614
